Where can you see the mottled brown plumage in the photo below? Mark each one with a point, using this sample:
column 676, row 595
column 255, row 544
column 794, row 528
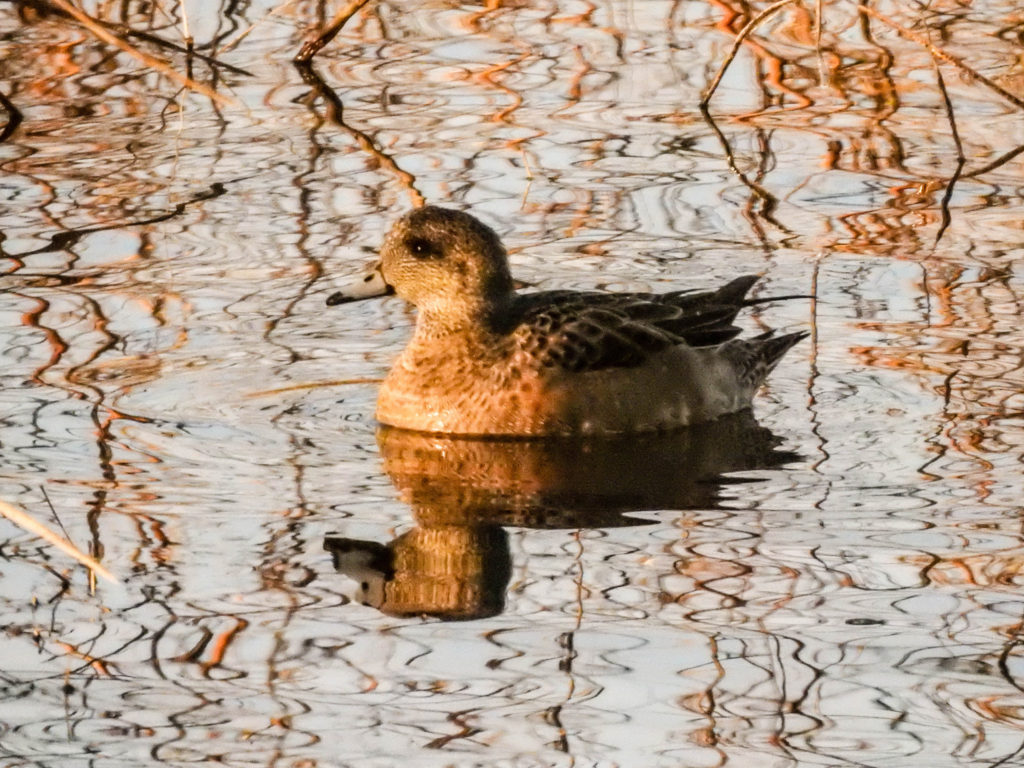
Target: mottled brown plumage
column 486, row 360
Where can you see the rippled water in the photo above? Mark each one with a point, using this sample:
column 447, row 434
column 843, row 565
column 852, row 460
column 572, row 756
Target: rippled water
column 837, row 584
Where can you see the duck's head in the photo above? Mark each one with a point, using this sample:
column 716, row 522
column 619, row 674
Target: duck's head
column 446, row 262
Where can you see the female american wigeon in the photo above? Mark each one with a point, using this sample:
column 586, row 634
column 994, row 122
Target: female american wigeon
column 486, row 360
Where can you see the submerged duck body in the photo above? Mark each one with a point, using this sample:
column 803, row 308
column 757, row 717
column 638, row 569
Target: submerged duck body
column 486, row 360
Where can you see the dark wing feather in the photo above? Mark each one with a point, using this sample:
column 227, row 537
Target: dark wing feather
column 590, row 331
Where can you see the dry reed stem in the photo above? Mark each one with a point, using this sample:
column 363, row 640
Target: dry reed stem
column 185, row 33
column 311, row 385
column 744, row 33
column 31, row 525
column 152, row 62
column 823, row 77
column 312, row 47
column 939, row 53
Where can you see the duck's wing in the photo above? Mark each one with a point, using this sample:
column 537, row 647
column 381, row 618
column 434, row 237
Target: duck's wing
column 590, row 331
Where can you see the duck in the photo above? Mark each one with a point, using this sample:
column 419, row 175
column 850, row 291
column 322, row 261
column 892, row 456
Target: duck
column 488, row 360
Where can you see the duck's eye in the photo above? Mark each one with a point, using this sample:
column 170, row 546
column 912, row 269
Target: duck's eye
column 422, row 248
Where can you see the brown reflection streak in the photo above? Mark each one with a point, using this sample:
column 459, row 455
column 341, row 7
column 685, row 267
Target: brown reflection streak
column 474, row 21
column 575, row 89
column 221, row 644
column 705, row 703
column 53, row 338
column 487, row 77
column 100, row 666
column 467, row 731
column 102, row 426
column 196, row 651
column 568, row 642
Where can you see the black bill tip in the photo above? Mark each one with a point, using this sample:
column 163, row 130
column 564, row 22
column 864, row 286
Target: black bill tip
column 366, row 287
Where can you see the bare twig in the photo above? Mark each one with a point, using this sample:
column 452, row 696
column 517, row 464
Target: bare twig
column 940, row 54
column 31, row 525
column 744, row 33
column 161, row 66
column 335, row 113
column 53, row 512
column 312, row 47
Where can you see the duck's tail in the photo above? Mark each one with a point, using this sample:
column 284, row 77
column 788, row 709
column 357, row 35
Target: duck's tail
column 771, row 348
column 754, row 358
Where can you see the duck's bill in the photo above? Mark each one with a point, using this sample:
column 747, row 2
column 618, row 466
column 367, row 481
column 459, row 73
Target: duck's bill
column 371, row 284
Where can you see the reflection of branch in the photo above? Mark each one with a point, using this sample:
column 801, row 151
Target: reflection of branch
column 312, row 47
column 335, row 110
column 149, row 37
column 769, row 201
column 245, row 33
column 960, row 159
column 998, row 162
column 152, row 62
column 744, row 33
column 68, row 237
column 14, row 117
column 940, row 54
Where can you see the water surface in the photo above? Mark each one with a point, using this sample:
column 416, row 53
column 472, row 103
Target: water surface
column 836, row 584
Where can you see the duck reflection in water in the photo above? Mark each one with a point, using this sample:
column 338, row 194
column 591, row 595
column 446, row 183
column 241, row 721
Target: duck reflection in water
column 456, row 564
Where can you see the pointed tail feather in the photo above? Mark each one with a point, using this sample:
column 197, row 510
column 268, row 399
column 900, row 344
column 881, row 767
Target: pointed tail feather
column 735, row 291
column 731, row 294
column 773, row 347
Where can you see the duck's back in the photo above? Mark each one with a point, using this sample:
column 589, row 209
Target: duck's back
column 584, row 363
